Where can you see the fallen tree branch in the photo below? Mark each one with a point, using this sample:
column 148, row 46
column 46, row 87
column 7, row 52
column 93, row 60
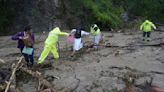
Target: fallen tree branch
column 34, row 74
column 40, row 78
column 42, row 82
column 13, row 74
column 117, row 46
column 2, row 61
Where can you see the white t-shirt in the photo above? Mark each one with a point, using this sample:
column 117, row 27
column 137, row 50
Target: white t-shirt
column 77, row 45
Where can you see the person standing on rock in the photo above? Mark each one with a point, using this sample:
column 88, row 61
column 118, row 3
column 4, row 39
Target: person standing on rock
column 147, row 28
column 78, row 44
column 95, row 32
column 51, row 43
column 26, row 40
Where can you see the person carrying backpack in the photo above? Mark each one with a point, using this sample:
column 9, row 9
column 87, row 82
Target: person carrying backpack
column 95, row 32
column 51, row 43
column 26, row 40
column 77, row 44
column 147, row 28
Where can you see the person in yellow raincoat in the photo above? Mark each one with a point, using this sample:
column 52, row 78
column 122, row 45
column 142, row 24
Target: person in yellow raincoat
column 97, row 36
column 51, row 43
column 147, row 28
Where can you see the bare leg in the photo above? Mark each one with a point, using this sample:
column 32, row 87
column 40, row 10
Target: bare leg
column 73, row 53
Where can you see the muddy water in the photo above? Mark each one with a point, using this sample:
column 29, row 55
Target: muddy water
column 98, row 71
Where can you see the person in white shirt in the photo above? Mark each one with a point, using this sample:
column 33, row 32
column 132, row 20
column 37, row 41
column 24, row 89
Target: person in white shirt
column 77, row 44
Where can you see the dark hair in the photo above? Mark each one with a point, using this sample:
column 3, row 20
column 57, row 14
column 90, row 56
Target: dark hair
column 80, row 28
column 27, row 28
column 95, row 28
column 92, row 25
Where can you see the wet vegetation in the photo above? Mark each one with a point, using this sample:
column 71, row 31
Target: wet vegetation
column 107, row 13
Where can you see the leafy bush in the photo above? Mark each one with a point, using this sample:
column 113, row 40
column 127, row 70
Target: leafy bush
column 108, row 12
column 150, row 9
column 98, row 11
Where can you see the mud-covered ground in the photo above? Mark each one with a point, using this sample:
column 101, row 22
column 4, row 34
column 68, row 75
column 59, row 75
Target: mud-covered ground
column 97, row 71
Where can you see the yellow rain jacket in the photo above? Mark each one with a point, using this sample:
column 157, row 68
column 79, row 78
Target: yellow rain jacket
column 147, row 26
column 54, row 35
column 50, row 44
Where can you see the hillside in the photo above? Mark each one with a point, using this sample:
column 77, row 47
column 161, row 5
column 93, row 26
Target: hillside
column 96, row 71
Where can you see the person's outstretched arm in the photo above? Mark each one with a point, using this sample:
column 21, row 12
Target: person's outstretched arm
column 63, row 33
column 84, row 33
column 17, row 36
column 141, row 27
column 73, row 31
column 153, row 25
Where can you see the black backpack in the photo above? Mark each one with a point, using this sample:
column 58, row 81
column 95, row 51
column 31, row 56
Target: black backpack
column 78, row 33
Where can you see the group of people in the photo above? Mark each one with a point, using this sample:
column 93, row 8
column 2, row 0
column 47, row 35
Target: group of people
column 26, row 40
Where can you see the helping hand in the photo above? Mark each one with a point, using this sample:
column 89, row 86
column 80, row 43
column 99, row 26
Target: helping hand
column 20, row 37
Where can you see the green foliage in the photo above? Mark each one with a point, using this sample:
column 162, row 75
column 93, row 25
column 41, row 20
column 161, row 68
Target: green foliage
column 100, row 11
column 108, row 12
column 150, row 9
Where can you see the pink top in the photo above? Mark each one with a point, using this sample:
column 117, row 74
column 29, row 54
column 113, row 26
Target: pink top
column 70, row 39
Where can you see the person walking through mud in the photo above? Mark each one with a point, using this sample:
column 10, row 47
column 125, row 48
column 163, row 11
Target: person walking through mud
column 147, row 28
column 51, row 43
column 95, row 32
column 26, row 40
column 77, row 44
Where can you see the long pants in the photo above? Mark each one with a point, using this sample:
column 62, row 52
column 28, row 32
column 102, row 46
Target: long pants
column 47, row 49
column 28, row 58
column 96, row 40
column 146, row 34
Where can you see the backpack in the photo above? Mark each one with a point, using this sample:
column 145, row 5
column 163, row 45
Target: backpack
column 78, row 33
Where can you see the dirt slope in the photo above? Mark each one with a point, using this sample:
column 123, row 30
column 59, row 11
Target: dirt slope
column 98, row 71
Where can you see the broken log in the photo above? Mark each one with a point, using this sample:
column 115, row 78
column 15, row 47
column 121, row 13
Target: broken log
column 43, row 84
column 13, row 74
column 144, row 45
column 41, row 81
column 36, row 74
